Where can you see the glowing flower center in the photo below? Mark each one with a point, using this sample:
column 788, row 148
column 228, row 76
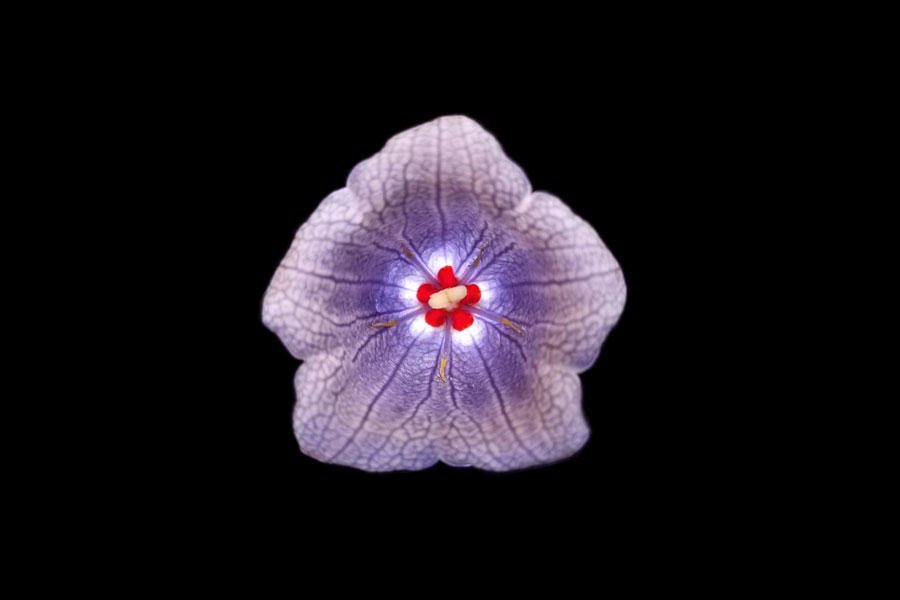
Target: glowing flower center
column 445, row 301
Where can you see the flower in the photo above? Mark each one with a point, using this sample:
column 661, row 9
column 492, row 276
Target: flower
column 442, row 310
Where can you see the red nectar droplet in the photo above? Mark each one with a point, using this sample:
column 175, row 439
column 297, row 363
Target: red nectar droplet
column 424, row 293
column 473, row 294
column 446, row 277
column 461, row 319
column 436, row 317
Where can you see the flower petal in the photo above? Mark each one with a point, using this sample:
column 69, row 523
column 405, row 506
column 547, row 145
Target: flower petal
column 335, row 280
column 509, row 411
column 377, row 406
column 555, row 277
column 438, row 161
column 436, row 186
column 429, row 191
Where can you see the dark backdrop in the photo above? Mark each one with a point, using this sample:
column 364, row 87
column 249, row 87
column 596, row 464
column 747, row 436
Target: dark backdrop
column 639, row 154
column 200, row 158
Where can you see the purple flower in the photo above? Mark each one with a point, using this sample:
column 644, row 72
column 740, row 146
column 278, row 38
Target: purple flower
column 407, row 362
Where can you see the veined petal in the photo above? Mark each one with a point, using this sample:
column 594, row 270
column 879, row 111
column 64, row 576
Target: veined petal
column 439, row 162
column 509, row 411
column 336, row 280
column 375, row 406
column 553, row 275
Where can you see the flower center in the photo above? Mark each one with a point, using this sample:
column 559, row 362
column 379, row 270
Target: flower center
column 448, row 298
column 445, row 300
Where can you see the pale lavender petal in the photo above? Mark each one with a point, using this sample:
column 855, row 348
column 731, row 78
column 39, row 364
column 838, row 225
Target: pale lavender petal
column 375, row 406
column 334, row 280
column 510, row 410
column 554, row 276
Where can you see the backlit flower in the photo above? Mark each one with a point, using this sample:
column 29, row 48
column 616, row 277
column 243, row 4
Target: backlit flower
column 442, row 310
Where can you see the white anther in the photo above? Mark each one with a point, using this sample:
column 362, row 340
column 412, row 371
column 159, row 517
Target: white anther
column 447, row 299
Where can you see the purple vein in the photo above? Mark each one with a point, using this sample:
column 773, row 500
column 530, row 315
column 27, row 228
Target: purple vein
column 375, row 399
column 502, row 404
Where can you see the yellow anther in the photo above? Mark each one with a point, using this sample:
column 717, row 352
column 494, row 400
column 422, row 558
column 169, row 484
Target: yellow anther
column 407, row 252
column 441, row 376
column 480, row 254
column 511, row 325
column 390, row 323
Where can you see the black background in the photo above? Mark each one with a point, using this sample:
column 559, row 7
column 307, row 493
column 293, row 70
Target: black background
column 188, row 159
column 642, row 154
column 190, row 156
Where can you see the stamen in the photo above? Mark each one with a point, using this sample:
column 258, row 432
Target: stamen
column 441, row 376
column 390, row 323
column 480, row 254
column 406, row 251
column 511, row 325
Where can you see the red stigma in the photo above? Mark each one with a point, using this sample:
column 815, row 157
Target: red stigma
column 473, row 294
column 460, row 319
column 424, row 293
column 436, row 317
column 446, row 277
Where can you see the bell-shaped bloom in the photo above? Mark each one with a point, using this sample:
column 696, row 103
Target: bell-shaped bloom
column 442, row 310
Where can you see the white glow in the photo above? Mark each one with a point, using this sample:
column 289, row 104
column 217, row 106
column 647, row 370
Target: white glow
column 486, row 293
column 439, row 260
column 418, row 326
column 410, row 286
column 470, row 335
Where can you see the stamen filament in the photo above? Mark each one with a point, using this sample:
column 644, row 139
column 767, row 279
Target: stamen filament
column 492, row 316
column 412, row 313
column 418, row 263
